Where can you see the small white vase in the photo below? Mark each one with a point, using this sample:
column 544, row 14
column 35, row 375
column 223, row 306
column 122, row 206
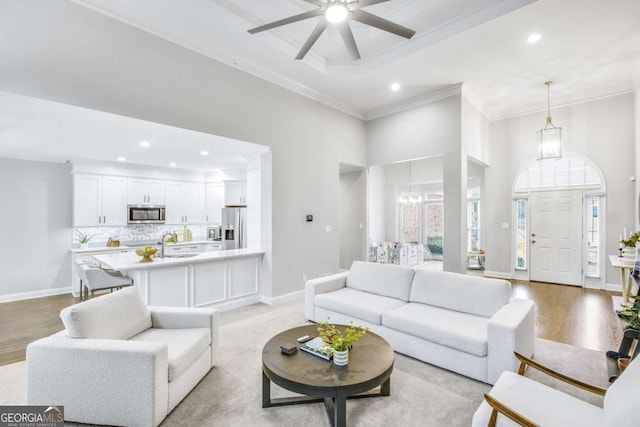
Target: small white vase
column 84, row 245
column 340, row 358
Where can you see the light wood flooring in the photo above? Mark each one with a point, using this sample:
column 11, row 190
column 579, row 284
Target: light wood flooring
column 566, row 314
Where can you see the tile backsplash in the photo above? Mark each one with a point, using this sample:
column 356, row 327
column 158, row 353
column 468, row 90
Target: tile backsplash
column 140, row 232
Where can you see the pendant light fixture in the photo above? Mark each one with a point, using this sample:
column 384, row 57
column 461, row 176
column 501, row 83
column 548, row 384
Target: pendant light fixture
column 410, row 198
column 550, row 137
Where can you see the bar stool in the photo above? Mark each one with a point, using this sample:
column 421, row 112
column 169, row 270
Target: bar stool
column 94, row 279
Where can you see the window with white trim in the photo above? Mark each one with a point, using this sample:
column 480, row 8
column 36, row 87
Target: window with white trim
column 592, row 236
column 521, row 234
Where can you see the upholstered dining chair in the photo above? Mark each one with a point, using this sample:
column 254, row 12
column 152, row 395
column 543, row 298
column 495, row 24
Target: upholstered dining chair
column 516, row 400
column 93, row 278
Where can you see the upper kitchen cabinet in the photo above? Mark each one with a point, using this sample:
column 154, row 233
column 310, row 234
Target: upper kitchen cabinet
column 145, row 191
column 214, row 199
column 99, row 200
column 184, row 202
column 235, row 193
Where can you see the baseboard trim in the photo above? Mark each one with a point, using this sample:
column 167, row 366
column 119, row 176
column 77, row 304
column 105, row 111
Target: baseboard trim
column 282, row 298
column 498, row 274
column 613, row 287
column 35, row 294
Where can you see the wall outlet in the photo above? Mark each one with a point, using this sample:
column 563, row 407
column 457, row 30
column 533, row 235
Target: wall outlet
column 304, row 277
column 361, row 225
column 505, row 225
column 328, row 228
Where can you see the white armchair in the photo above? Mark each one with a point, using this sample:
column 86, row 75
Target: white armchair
column 516, row 400
column 119, row 362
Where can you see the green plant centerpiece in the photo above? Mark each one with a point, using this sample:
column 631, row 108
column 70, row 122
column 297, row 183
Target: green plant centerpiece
column 340, row 340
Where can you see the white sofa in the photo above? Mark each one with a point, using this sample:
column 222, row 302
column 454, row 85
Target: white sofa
column 119, row 362
column 465, row 324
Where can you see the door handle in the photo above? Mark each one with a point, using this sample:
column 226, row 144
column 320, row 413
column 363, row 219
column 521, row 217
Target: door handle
column 533, row 234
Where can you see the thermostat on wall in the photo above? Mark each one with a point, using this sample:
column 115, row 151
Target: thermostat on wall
column 309, row 218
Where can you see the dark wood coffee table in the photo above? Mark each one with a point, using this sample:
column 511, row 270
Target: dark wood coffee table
column 370, row 366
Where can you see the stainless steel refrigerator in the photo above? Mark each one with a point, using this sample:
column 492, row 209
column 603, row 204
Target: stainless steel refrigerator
column 233, row 228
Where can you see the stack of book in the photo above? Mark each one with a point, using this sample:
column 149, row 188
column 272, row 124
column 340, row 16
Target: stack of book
column 317, row 347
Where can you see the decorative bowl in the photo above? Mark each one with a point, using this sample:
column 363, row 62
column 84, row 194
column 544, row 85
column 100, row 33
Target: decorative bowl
column 146, row 254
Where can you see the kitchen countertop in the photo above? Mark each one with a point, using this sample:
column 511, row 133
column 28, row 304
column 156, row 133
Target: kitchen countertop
column 137, row 245
column 123, row 261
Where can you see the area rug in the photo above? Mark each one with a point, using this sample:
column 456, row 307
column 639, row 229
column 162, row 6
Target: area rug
column 421, row 394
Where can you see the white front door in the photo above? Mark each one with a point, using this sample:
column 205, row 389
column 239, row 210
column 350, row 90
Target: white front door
column 556, row 237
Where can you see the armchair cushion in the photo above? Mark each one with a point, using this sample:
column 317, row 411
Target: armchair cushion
column 119, row 315
column 542, row 404
column 184, row 346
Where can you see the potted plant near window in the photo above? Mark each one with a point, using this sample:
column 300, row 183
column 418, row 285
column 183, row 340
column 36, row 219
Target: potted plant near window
column 340, row 340
column 83, row 238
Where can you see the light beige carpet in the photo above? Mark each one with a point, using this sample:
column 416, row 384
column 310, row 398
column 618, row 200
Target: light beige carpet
column 421, row 394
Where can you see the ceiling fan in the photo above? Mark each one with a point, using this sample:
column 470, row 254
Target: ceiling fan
column 336, row 12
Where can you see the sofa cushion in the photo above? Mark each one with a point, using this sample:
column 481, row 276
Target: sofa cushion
column 541, row 404
column 459, row 292
column 461, row 331
column 185, row 346
column 362, row 305
column 382, row 279
column 118, row 315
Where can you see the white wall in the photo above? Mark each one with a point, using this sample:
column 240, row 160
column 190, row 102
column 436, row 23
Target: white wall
column 376, row 202
column 35, row 212
column 601, row 130
column 353, row 212
column 475, row 132
column 117, row 68
column 433, row 129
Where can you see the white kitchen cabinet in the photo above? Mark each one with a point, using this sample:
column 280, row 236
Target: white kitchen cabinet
column 235, row 193
column 184, row 202
column 145, row 191
column 214, row 202
column 99, row 200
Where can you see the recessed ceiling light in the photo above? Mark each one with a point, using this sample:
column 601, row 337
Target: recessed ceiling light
column 395, row 86
column 534, row 38
column 204, row 153
column 145, row 144
column 122, row 159
column 172, row 164
column 336, row 13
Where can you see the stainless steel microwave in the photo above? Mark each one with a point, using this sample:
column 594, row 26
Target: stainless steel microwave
column 145, row 214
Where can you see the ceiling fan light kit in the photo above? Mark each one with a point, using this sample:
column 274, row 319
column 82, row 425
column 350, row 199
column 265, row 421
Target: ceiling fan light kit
column 339, row 13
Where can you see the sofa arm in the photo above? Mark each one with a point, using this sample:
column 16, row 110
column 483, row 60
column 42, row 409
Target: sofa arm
column 100, row 381
column 321, row 285
column 188, row 317
column 512, row 328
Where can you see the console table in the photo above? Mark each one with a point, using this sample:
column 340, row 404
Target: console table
column 625, row 265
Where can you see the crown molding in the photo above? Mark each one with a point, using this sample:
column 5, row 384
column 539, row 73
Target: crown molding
column 566, row 104
column 414, row 102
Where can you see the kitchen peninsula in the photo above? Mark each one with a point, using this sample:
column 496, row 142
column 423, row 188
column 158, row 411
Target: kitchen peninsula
column 223, row 279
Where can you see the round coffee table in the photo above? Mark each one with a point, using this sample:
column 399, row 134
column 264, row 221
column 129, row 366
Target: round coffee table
column 370, row 365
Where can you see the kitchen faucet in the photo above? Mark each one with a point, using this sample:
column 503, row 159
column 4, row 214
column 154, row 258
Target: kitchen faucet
column 162, row 242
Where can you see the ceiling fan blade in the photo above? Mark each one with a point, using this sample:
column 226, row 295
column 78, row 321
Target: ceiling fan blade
column 285, row 21
column 365, row 3
column 383, row 24
column 322, row 25
column 349, row 41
